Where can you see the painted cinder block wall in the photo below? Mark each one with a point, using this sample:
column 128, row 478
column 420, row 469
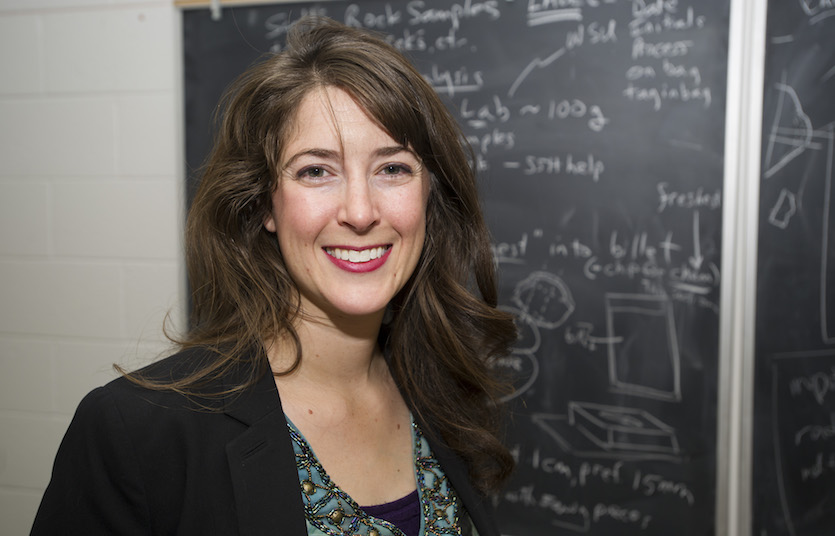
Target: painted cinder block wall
column 91, row 214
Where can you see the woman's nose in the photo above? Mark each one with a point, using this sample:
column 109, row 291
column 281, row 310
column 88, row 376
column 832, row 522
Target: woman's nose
column 359, row 209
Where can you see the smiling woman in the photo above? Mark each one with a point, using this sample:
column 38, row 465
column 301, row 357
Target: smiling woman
column 336, row 378
column 348, row 192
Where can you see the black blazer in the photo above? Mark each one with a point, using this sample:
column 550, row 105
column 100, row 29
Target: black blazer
column 135, row 461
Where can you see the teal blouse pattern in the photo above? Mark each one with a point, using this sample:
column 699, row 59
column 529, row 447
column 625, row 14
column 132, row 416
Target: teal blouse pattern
column 332, row 512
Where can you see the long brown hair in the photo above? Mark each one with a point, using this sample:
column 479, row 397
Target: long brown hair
column 445, row 327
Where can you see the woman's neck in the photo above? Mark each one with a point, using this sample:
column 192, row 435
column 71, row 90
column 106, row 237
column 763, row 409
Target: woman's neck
column 344, row 401
column 343, row 356
column 342, row 382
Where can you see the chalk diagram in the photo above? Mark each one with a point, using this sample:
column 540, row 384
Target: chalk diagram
column 637, row 326
column 783, row 210
column 646, row 327
column 545, row 300
column 795, row 401
column 542, row 301
column 592, row 430
column 792, row 136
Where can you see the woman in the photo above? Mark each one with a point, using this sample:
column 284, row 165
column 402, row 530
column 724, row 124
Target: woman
column 336, row 377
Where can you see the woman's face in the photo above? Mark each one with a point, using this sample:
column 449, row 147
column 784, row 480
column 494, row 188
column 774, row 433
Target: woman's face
column 349, row 209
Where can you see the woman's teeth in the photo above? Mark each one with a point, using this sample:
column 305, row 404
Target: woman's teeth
column 352, row 255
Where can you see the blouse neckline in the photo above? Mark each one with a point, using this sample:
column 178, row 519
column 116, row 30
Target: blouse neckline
column 330, row 511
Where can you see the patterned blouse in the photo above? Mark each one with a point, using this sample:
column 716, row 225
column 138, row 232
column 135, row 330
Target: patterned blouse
column 332, row 512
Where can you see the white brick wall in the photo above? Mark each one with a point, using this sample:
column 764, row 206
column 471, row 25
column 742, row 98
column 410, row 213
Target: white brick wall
column 90, row 215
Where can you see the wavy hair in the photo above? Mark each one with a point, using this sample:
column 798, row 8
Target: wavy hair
column 445, row 328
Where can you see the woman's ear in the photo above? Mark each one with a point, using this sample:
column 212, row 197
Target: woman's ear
column 269, row 223
column 269, row 219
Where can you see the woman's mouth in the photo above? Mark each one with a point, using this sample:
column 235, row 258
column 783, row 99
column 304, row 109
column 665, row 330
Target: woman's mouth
column 358, row 260
column 354, row 255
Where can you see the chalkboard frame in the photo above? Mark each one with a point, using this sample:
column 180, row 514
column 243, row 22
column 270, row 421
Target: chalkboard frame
column 742, row 171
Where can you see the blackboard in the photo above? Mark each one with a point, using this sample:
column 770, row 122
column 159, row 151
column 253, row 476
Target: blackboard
column 793, row 478
column 599, row 129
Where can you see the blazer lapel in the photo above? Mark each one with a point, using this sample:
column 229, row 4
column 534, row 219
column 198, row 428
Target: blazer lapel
column 456, row 471
column 263, row 466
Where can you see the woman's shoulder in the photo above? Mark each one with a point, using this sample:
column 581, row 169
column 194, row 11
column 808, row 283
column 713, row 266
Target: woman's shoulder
column 179, row 365
column 131, row 449
column 130, row 406
column 163, row 383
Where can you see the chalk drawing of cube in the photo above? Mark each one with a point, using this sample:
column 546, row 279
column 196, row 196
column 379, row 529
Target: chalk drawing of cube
column 615, row 428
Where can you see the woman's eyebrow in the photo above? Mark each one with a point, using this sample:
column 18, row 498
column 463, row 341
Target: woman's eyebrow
column 328, row 154
column 325, row 154
column 393, row 150
column 385, row 152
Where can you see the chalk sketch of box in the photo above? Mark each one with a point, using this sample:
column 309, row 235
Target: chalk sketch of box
column 616, row 428
column 642, row 346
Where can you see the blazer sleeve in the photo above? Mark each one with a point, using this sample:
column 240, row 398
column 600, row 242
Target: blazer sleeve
column 96, row 485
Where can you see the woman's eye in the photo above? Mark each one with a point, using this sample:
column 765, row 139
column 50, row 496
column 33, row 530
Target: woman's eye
column 396, row 169
column 312, row 172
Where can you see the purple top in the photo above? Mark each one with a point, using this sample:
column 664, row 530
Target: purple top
column 403, row 513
